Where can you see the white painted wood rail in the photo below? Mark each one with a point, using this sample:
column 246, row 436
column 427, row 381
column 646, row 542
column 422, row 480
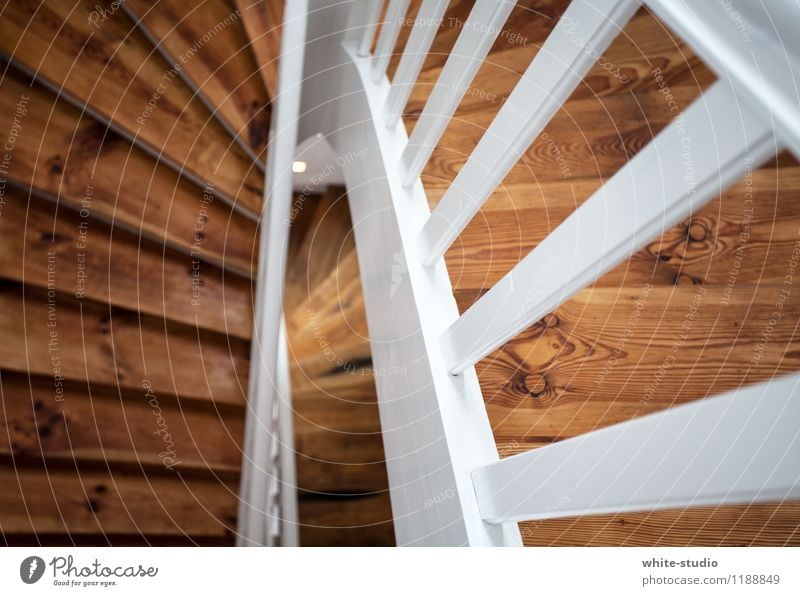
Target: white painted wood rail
column 447, row 483
column 483, row 25
column 267, row 497
column 653, row 192
column 388, row 37
column 554, row 73
column 731, row 449
column 430, row 16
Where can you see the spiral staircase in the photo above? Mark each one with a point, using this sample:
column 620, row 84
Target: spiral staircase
column 136, row 138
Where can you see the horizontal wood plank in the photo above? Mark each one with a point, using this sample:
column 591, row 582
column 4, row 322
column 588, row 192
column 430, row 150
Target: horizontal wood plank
column 66, row 154
column 346, row 521
column 337, row 429
column 339, row 447
column 98, row 424
column 338, row 435
column 611, row 354
column 98, row 59
column 621, row 125
column 117, row 268
column 262, row 21
column 339, row 463
column 320, row 218
column 104, row 503
column 747, row 234
column 57, row 335
column 210, row 42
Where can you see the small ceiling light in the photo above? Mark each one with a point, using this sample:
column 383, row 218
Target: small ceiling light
column 298, row 167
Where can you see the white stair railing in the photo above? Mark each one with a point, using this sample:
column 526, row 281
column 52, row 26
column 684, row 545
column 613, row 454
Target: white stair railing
column 430, row 15
column 639, row 203
column 388, row 37
column 483, row 25
column 448, row 485
column 268, row 494
column 556, row 70
column 737, row 448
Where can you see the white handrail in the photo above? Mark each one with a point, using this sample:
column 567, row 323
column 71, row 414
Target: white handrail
column 290, row 528
column 258, row 469
column 755, row 45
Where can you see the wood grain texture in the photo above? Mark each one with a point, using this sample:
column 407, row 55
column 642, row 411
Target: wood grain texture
column 262, row 21
column 100, row 60
column 758, row 525
column 66, row 154
column 209, row 40
column 687, row 316
column 620, row 125
column 102, row 503
column 747, row 231
column 611, row 354
column 337, row 429
column 106, row 345
column 102, row 425
column 643, row 44
column 117, row 268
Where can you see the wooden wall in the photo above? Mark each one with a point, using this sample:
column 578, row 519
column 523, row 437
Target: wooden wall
column 130, row 195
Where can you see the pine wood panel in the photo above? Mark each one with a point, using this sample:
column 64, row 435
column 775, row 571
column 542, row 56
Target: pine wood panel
column 107, row 64
column 611, row 354
column 101, row 503
column 706, row 248
column 105, row 345
column 68, row 155
column 339, row 463
column 102, row 424
column 262, row 21
column 757, row 525
column 337, row 429
column 328, row 334
column 209, row 40
column 117, row 268
column 620, row 125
